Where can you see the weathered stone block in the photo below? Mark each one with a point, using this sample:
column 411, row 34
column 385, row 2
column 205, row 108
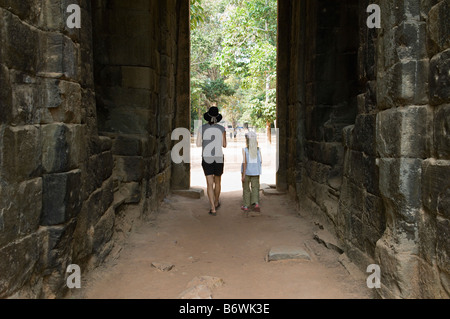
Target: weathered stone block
column 436, row 186
column 105, row 143
column 355, row 230
column 69, row 110
column 51, row 15
column 438, row 27
column 5, row 95
column 77, row 140
column 26, row 99
column 20, row 48
column 162, row 185
column 373, row 213
column 28, row 12
column 444, row 276
column 440, row 78
column 99, row 169
column 55, row 148
column 427, row 236
column 410, row 39
column 193, row 193
column 129, row 193
column 96, row 206
column 127, row 120
column 287, row 253
column 400, row 187
column 364, row 134
column 21, row 210
column 59, row 56
column 129, row 168
column 326, row 153
column 396, row 11
column 362, row 170
column 428, row 281
column 127, row 97
column 64, row 147
column 399, row 270
column 103, row 230
column 136, row 77
column 18, row 260
column 61, row 198
column 403, row 84
column 318, row 172
column 347, row 135
column 443, row 243
column 441, row 132
column 404, row 132
column 100, row 144
column 57, row 249
column 20, row 153
column 151, row 167
column 127, row 146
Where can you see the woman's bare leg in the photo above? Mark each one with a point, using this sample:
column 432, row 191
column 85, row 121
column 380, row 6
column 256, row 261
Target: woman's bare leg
column 210, row 191
column 217, row 189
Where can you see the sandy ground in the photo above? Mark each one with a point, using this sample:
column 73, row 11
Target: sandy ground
column 230, row 246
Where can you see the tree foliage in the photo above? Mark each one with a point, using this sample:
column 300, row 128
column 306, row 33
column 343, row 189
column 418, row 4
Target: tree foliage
column 233, row 58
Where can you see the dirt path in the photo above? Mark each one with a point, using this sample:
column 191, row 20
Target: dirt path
column 230, row 247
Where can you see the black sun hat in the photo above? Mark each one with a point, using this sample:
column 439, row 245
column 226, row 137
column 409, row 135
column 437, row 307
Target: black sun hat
column 213, row 115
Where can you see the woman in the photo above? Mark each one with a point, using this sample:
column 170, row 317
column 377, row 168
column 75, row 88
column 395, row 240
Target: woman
column 212, row 138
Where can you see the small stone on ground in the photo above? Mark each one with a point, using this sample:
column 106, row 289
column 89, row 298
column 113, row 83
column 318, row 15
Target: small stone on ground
column 162, row 266
column 194, row 193
column 287, row 253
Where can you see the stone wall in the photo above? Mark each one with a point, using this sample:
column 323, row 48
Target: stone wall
column 85, row 122
column 135, row 53
column 321, row 99
column 412, row 145
column 365, row 139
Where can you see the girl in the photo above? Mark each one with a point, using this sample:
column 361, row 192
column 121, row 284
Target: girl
column 251, row 170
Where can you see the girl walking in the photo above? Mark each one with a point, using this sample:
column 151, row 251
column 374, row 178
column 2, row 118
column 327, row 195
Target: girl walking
column 251, row 170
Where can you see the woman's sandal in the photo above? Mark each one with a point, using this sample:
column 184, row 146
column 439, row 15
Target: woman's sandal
column 217, row 207
column 212, row 213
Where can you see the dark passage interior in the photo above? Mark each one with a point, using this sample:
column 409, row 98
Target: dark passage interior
column 363, row 116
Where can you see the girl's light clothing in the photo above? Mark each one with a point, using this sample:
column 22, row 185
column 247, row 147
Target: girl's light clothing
column 251, row 184
column 251, row 190
column 253, row 165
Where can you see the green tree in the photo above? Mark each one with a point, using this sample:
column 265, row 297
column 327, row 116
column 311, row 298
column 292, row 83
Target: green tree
column 197, row 13
column 208, row 84
column 249, row 52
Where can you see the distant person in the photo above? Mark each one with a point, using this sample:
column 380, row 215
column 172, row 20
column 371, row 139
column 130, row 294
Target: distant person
column 251, row 171
column 212, row 138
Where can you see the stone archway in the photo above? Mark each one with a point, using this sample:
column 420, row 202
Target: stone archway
column 86, row 117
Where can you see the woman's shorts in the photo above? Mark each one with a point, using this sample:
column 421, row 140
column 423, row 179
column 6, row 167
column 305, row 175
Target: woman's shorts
column 214, row 168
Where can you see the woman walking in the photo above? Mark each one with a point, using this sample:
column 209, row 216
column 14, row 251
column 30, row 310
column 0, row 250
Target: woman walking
column 212, row 138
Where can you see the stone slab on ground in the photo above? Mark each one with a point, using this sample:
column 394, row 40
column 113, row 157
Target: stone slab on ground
column 273, row 192
column 163, row 266
column 201, row 287
column 287, row 253
column 325, row 238
column 194, row 193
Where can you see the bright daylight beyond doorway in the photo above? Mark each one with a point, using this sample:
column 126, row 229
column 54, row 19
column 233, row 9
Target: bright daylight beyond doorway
column 233, row 66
